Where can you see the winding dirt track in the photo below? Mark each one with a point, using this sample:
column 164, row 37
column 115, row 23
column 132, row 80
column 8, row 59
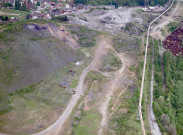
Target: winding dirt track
column 112, row 87
column 56, row 127
column 144, row 68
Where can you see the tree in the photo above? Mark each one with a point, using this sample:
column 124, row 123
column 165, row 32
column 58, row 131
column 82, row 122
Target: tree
column 24, row 7
column 165, row 120
column 6, row 18
column 17, row 5
column 38, row 3
column 7, row 5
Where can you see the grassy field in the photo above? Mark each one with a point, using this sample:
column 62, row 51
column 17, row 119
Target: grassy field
column 110, row 62
column 89, row 124
column 85, row 35
column 40, row 99
column 86, row 116
column 18, row 12
column 126, row 44
column 34, row 107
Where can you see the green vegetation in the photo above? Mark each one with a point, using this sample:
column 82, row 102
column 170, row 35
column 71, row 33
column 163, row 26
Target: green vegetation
column 122, row 2
column 110, row 62
column 122, row 44
column 147, row 86
column 40, row 99
column 21, row 92
column 127, row 123
column 19, row 6
column 86, row 122
column 5, row 55
column 4, row 102
column 168, row 103
column 95, row 76
column 18, row 12
column 88, row 125
column 17, row 26
column 2, row 36
column 74, row 83
column 4, row 18
column 7, row 5
column 60, row 18
column 172, row 26
column 86, row 36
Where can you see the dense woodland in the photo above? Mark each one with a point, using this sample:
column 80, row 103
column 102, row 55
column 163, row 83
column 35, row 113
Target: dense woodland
column 123, row 2
column 168, row 92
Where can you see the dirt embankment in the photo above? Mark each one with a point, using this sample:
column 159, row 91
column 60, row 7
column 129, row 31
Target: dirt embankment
column 62, row 34
column 33, row 53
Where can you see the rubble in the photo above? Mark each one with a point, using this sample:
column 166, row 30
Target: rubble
column 108, row 20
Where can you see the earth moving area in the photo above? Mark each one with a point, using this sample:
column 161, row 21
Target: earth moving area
column 128, row 20
column 92, row 113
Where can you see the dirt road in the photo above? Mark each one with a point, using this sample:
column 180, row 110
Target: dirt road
column 56, row 127
column 165, row 20
column 151, row 117
column 113, row 85
column 144, row 69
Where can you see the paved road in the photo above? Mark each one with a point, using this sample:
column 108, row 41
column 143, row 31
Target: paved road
column 144, row 68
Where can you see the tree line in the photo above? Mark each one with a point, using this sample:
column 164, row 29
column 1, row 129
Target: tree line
column 123, row 2
column 168, row 92
column 24, row 6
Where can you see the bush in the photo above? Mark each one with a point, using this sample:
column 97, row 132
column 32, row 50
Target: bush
column 86, row 36
column 61, row 18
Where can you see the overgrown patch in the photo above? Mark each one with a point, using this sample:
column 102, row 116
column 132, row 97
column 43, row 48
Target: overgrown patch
column 85, row 35
column 110, row 62
column 130, row 44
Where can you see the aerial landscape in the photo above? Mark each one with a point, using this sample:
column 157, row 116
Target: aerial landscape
column 91, row 67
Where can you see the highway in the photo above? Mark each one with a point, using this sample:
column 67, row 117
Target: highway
column 144, row 68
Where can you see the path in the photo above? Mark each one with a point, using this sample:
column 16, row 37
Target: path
column 144, row 68
column 6, row 13
column 151, row 117
column 165, row 20
column 56, row 127
column 113, row 85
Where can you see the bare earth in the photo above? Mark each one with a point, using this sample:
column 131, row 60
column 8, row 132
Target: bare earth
column 56, row 127
column 165, row 20
column 112, row 86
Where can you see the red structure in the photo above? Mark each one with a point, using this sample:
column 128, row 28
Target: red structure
column 174, row 42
